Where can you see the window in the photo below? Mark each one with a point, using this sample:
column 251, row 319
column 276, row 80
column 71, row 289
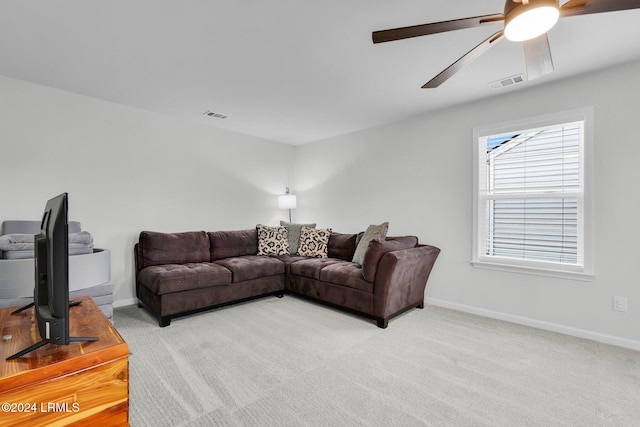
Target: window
column 532, row 195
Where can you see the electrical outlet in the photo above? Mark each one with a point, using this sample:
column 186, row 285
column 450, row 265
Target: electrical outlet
column 620, row 303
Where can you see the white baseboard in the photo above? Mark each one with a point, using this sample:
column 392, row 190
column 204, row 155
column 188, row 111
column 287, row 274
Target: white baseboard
column 554, row 327
column 125, row 302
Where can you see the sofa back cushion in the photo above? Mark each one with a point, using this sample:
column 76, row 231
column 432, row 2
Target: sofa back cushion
column 228, row 244
column 342, row 246
column 409, row 241
column 377, row 248
column 172, row 248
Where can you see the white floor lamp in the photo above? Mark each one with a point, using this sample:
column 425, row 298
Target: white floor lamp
column 287, row 201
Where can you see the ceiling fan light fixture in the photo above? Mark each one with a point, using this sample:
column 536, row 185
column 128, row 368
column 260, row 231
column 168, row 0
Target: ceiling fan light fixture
column 527, row 19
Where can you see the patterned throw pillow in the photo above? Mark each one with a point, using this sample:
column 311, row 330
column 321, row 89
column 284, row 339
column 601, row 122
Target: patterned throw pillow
column 272, row 241
column 314, row 242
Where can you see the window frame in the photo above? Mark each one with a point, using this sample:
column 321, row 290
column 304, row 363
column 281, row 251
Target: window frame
column 578, row 272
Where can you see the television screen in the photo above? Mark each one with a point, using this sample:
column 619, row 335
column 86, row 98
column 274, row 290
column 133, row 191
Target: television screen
column 51, row 295
column 51, row 290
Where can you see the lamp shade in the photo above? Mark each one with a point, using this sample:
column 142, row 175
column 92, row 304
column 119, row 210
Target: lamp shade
column 525, row 20
column 287, row 201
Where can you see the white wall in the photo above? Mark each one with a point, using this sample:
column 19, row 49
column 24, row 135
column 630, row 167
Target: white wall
column 127, row 170
column 417, row 175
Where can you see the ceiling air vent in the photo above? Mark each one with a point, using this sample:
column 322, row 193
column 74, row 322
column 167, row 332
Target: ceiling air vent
column 507, row 81
column 214, row 115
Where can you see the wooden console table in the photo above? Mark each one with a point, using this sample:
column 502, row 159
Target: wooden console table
column 77, row 384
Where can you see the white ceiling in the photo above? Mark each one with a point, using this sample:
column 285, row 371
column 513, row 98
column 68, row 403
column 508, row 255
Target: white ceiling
column 287, row 70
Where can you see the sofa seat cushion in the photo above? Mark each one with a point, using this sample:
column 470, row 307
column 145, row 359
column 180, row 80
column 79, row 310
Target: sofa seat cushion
column 252, row 267
column 311, row 267
column 346, row 274
column 169, row 278
column 290, row 259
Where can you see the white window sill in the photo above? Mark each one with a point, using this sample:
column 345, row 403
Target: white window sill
column 536, row 271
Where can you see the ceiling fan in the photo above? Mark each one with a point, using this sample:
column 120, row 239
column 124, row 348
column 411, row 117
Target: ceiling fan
column 524, row 20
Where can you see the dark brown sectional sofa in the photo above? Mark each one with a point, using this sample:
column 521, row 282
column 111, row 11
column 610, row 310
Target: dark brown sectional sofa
column 183, row 273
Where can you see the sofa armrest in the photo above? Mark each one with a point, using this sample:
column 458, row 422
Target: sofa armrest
column 401, row 279
column 136, row 258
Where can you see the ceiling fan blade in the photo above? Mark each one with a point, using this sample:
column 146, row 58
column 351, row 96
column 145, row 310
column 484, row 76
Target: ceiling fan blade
column 586, row 7
column 433, row 28
column 464, row 60
column 537, row 55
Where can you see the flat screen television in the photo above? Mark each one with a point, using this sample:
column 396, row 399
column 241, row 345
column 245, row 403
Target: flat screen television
column 51, row 290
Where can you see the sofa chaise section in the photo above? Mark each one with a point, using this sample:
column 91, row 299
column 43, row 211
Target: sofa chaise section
column 391, row 280
column 183, row 273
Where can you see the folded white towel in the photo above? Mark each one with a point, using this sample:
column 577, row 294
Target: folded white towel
column 81, row 237
column 16, row 242
column 24, row 242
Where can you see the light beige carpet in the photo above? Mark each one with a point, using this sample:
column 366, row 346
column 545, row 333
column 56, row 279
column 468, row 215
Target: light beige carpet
column 291, row 362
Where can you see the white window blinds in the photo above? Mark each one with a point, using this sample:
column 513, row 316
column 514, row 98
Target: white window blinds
column 530, row 195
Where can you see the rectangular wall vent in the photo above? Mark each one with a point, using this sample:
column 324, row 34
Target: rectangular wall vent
column 214, row 115
column 507, row 81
